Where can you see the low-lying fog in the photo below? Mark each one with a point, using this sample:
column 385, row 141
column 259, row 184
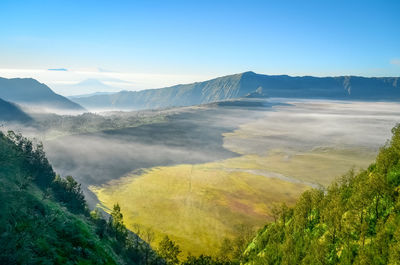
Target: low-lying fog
column 195, row 135
column 305, row 125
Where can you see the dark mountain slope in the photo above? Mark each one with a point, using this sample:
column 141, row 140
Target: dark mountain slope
column 249, row 83
column 342, row 87
column 28, row 91
column 11, row 112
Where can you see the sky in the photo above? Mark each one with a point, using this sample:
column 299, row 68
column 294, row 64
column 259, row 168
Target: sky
column 135, row 45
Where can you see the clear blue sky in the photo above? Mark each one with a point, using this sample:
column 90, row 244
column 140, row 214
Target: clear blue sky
column 203, row 37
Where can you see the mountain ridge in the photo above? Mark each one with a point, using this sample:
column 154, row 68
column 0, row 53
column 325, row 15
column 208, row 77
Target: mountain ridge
column 32, row 93
column 10, row 112
column 243, row 84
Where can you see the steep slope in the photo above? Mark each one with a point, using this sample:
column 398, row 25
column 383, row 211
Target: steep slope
column 251, row 84
column 44, row 218
column 29, row 92
column 11, row 113
column 179, row 95
column 355, row 221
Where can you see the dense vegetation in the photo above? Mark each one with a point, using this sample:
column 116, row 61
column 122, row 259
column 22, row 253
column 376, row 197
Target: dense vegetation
column 44, row 218
column 356, row 220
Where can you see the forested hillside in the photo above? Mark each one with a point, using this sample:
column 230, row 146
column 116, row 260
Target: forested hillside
column 356, row 220
column 44, row 218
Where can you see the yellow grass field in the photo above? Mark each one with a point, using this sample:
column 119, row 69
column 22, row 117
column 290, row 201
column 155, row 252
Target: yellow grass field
column 197, row 206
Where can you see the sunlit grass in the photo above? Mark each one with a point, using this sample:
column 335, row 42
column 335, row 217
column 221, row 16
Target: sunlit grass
column 197, row 206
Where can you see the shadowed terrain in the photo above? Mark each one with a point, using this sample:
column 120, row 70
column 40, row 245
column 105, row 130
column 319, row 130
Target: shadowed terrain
column 192, row 136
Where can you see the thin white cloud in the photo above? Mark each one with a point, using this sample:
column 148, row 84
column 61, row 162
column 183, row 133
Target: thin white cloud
column 395, row 61
column 58, row 69
column 122, row 80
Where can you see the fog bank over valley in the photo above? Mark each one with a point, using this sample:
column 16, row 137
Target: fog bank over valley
column 219, row 131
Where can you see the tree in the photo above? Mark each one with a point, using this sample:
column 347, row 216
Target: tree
column 148, row 236
column 204, row 260
column 116, row 224
column 101, row 224
column 69, row 192
column 169, row 251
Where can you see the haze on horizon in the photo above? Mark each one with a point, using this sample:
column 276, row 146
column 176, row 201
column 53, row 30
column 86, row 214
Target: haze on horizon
column 136, row 45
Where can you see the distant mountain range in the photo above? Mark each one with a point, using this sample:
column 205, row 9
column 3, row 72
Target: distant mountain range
column 90, row 95
column 11, row 112
column 29, row 92
column 83, row 89
column 251, row 84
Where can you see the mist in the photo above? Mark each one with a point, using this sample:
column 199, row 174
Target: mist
column 217, row 131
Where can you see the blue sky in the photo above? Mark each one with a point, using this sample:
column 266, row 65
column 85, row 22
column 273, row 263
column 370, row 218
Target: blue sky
column 156, row 43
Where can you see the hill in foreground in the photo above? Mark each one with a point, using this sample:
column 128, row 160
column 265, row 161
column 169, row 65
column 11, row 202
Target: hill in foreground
column 44, row 218
column 250, row 84
column 356, row 220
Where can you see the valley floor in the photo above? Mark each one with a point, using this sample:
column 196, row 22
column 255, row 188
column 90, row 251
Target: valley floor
column 203, row 171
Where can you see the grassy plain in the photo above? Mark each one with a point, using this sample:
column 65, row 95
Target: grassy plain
column 197, row 205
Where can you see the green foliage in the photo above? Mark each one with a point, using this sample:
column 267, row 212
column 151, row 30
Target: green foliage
column 44, row 218
column 356, row 220
column 116, row 224
column 32, row 158
column 69, row 192
column 204, row 260
column 169, row 251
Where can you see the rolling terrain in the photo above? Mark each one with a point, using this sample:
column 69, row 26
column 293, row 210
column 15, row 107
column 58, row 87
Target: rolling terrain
column 252, row 85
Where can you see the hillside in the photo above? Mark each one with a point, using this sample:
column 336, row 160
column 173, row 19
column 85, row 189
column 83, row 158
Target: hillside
column 29, row 92
column 9, row 112
column 356, row 220
column 44, row 218
column 250, row 84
